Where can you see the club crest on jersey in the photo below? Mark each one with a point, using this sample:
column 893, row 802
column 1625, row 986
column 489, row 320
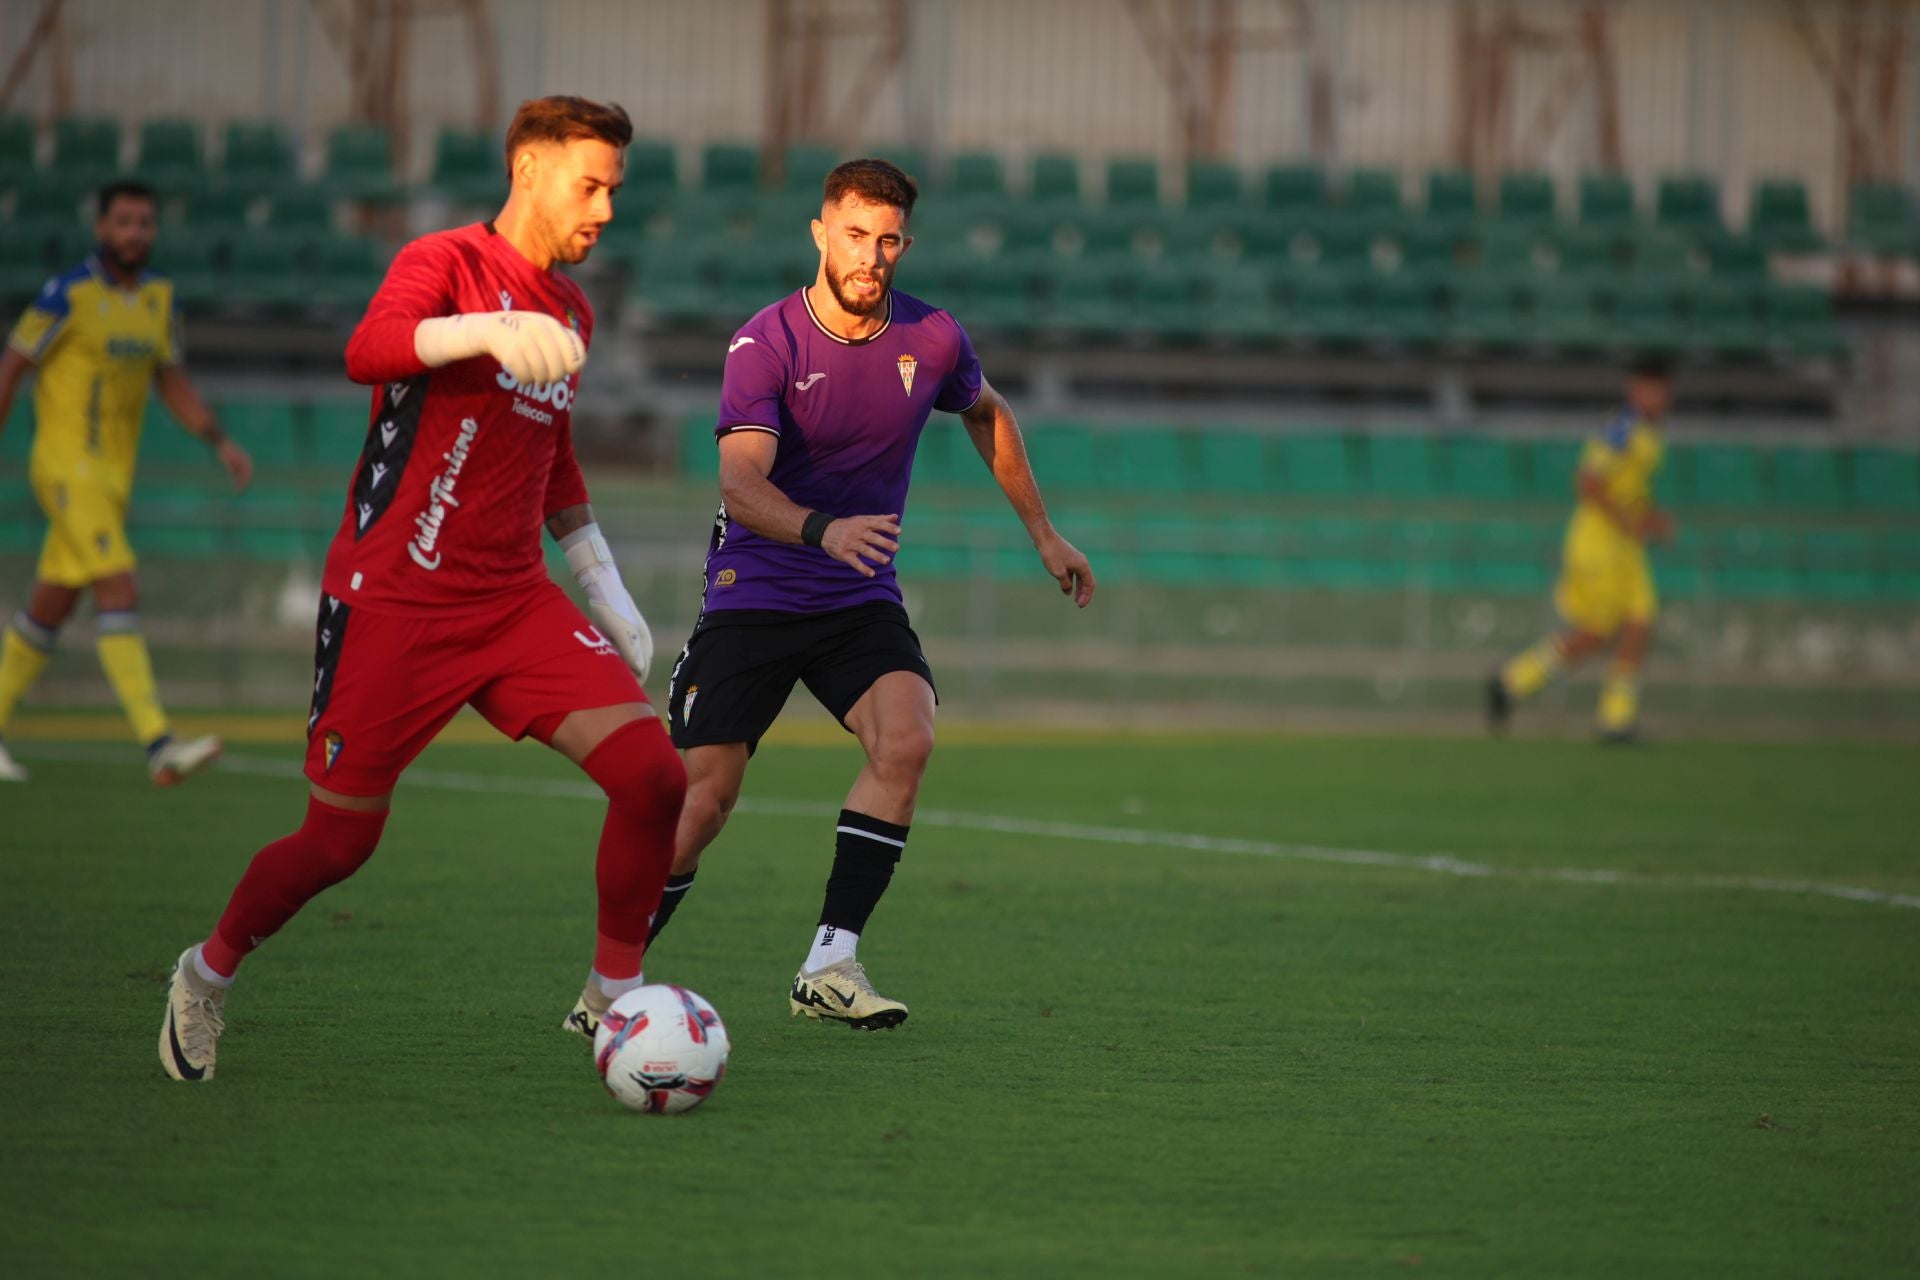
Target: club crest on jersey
column 907, row 365
column 686, row 708
column 506, row 300
column 573, row 321
column 333, row 744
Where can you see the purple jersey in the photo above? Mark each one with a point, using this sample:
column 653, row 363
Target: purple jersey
column 848, row 415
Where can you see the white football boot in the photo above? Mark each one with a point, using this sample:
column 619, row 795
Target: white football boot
column 587, row 1012
column 11, row 770
column 175, row 760
column 841, row 992
column 191, row 1032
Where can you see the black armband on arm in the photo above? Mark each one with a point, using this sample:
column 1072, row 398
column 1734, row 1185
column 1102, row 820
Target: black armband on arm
column 814, row 527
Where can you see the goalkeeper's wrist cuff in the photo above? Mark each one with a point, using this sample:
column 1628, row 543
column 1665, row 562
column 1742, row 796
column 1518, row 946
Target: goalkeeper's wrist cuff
column 588, row 554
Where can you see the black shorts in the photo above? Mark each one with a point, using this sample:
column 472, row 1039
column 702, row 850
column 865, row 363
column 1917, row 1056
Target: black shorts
column 740, row 664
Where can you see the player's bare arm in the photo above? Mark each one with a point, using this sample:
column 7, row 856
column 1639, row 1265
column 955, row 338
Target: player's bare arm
column 13, row 371
column 996, row 434
column 190, row 410
column 746, row 458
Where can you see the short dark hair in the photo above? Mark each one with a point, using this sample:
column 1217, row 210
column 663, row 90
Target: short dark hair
column 123, row 188
column 1651, row 364
column 564, row 119
column 874, row 181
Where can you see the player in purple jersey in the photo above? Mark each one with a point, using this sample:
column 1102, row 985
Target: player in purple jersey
column 821, row 407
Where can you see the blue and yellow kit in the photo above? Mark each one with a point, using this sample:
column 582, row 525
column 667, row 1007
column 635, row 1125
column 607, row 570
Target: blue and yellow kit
column 1604, row 579
column 97, row 346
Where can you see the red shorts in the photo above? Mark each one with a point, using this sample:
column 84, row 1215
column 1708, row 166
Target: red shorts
column 385, row 684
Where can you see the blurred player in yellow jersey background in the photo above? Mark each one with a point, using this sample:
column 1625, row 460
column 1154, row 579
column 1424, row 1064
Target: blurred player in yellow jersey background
column 99, row 336
column 1605, row 592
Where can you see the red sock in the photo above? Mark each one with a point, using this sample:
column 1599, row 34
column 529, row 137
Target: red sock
column 283, row 877
column 645, row 783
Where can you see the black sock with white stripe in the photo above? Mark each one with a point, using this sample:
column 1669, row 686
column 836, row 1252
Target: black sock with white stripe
column 865, row 853
column 670, row 897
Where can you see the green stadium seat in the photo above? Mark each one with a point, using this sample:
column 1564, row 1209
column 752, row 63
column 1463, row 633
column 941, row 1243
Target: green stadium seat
column 1510, row 556
column 1318, row 465
column 346, row 272
column 1717, row 475
column 1240, row 304
column 257, row 158
column 1062, row 454
column 222, row 212
column 1663, row 258
column 1726, row 323
column 653, row 169
column 469, row 168
column 1549, row 471
column 1088, row 300
column 729, row 166
column 1756, row 562
column 1166, row 306
column 699, row 448
column 1342, row 246
column 267, row 270
column 1880, row 219
column 1141, row 460
column 191, row 259
column 1569, row 317
column 86, row 150
column 18, row 161
column 1233, row 462
column 1739, row 260
column 301, row 210
column 978, row 177
column 1800, row 323
column 1840, row 564
column 1526, row 200
column 805, row 166
column 1452, row 197
column 1133, row 180
column 1296, row 191
column 1328, row 309
column 171, row 160
column 910, row 160
column 337, row 431
column 1054, row 179
column 1606, row 202
column 1404, row 311
column 1807, row 477
column 1688, row 204
column 360, row 164
column 1480, row 469
column 49, row 209
column 1884, row 479
column 1213, row 184
column 1486, row 313
column 266, row 429
column 1780, row 218
column 1900, row 563
column 1001, row 297
column 1649, row 317
column 1401, row 466
column 1587, row 253
column 1373, row 198
column 23, row 265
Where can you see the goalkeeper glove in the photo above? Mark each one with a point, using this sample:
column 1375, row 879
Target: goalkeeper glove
column 608, row 603
column 533, row 347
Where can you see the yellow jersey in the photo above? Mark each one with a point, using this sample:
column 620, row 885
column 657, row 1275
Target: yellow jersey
column 97, row 346
column 1625, row 457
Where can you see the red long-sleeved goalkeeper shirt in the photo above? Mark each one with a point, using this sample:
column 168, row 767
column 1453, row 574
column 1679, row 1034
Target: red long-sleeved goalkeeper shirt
column 462, row 465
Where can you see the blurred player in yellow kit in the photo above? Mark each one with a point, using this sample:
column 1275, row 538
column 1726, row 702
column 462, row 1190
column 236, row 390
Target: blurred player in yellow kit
column 1605, row 592
column 99, row 336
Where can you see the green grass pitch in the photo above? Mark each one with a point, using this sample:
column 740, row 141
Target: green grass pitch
column 1162, row 1058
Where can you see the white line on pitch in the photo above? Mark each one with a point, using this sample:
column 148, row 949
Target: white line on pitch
column 1437, row 864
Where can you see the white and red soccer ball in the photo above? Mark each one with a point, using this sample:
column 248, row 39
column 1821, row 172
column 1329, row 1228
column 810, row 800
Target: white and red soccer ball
column 661, row 1049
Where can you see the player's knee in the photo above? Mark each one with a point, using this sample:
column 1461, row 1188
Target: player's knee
column 637, row 766
column 343, row 839
column 903, row 753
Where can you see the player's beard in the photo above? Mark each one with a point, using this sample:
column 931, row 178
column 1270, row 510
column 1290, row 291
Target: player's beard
column 559, row 242
column 857, row 306
column 126, row 262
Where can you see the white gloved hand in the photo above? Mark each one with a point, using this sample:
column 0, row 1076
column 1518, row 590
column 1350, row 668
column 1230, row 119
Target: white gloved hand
column 608, row 602
column 531, row 346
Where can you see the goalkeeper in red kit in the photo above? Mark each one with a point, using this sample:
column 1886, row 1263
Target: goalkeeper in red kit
column 435, row 594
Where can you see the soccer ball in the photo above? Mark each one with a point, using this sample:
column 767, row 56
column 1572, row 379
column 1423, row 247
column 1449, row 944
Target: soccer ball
column 661, row 1049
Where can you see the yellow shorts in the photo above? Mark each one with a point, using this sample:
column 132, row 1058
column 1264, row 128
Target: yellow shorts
column 86, row 534
column 1604, row 585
